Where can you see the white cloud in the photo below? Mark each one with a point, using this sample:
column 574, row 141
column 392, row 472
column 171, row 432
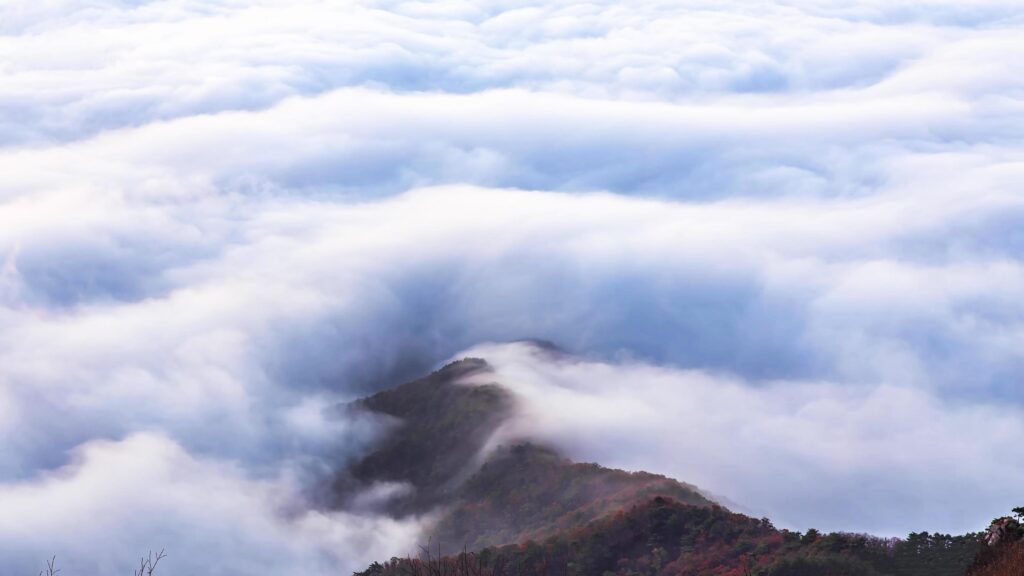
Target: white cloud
column 810, row 454
column 218, row 219
column 119, row 498
column 75, row 69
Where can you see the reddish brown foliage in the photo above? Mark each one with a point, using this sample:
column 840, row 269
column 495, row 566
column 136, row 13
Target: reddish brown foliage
column 1005, row 560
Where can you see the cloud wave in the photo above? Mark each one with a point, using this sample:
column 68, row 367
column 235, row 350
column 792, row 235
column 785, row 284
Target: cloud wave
column 218, row 220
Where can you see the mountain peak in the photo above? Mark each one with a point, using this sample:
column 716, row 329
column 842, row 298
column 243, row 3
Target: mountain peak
column 437, row 455
column 438, row 427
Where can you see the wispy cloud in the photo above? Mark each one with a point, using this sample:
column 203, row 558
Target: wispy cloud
column 810, row 453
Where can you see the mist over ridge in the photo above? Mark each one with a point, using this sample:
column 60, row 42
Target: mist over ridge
column 778, row 243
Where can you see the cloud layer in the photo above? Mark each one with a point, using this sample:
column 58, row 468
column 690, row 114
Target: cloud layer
column 126, row 495
column 823, row 454
column 797, row 223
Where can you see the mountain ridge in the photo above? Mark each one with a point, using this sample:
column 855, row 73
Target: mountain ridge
column 437, row 457
column 502, row 502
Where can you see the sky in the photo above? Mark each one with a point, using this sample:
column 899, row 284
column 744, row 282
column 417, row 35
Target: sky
column 781, row 242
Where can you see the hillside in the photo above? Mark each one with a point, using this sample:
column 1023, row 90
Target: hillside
column 530, row 492
column 525, row 509
column 435, row 447
column 439, row 428
column 1003, row 553
column 1007, row 561
column 662, row 537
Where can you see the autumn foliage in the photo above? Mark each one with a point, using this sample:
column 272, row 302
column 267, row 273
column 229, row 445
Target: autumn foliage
column 1004, row 554
column 662, row 537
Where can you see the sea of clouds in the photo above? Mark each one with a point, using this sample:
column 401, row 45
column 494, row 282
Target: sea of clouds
column 783, row 240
